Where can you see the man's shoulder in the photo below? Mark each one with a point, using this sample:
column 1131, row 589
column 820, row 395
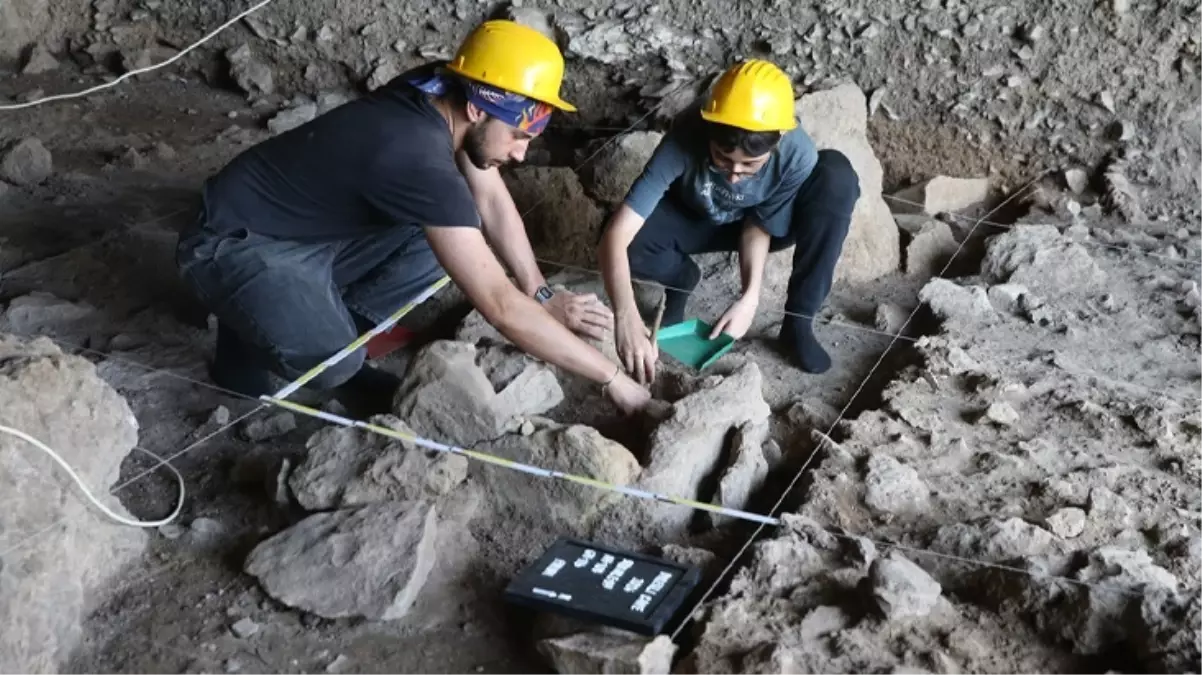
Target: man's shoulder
column 796, row 146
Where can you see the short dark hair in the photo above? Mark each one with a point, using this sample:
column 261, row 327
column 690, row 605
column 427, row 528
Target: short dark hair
column 752, row 143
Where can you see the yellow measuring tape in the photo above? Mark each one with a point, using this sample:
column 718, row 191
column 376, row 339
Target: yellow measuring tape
column 278, row 400
column 518, row 466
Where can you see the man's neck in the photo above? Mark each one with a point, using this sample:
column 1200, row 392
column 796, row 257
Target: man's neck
column 456, row 123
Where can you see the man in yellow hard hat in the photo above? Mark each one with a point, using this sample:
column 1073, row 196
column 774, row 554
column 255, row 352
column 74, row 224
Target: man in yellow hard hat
column 734, row 173
column 311, row 236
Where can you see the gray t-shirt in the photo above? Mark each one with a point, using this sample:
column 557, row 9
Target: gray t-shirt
column 681, row 166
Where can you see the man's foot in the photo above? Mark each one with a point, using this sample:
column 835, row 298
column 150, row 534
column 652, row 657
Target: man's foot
column 369, row 392
column 797, row 337
column 236, row 369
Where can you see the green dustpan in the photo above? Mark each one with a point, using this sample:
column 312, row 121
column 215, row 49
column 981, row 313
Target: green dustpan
column 689, row 343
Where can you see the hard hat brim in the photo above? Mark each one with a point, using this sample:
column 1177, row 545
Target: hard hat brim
column 743, row 124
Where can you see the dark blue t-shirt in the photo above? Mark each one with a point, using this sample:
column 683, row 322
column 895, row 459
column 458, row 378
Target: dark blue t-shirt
column 381, row 161
column 681, row 167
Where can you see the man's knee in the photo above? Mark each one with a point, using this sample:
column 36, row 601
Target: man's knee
column 330, row 377
column 840, row 187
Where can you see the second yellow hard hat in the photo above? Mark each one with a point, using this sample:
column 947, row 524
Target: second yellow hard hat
column 755, row 95
column 513, row 57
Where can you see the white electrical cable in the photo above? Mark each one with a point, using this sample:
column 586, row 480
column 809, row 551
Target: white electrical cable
column 138, row 71
column 87, row 493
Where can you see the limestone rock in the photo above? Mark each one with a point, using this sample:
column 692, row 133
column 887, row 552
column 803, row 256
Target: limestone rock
column 291, row 118
column 39, row 312
column 50, row 583
column 370, row 562
column 562, row 505
column 1067, row 523
column 952, row 302
column 747, row 471
column 145, row 58
column 602, row 652
column 447, row 396
column 251, row 74
column 823, row 620
column 354, row 467
column 386, row 69
column 930, row 250
column 942, row 194
column 39, row 61
column 1043, row 260
column 838, row 119
column 1166, row 629
column 563, row 223
column 890, row 318
column 900, row 589
column 539, row 20
column 1006, row 297
column 28, row 162
column 993, row 540
column 266, row 427
column 893, row 487
column 614, row 169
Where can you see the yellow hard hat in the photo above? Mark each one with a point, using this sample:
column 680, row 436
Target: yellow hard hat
column 755, row 95
column 515, row 58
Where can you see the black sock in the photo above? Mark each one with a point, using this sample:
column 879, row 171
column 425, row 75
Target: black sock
column 236, row 367
column 798, row 338
column 678, row 296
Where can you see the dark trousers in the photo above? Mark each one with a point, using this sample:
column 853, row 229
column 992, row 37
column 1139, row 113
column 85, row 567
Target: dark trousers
column 293, row 304
column 662, row 249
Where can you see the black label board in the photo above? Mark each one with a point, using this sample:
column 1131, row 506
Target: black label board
column 588, row 581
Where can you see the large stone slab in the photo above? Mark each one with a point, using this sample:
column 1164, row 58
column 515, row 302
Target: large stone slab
column 446, row 396
column 354, row 467
column 49, row 584
column 563, row 506
column 837, row 119
column 370, row 562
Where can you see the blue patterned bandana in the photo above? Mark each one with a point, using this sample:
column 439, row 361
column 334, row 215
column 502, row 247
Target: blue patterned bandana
column 513, row 109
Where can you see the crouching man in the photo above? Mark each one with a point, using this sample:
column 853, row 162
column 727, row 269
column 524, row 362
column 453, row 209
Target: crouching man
column 310, row 237
column 734, row 173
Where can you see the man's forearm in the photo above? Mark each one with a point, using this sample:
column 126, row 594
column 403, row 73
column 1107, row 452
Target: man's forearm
column 536, row 332
column 753, row 256
column 615, row 272
column 506, row 234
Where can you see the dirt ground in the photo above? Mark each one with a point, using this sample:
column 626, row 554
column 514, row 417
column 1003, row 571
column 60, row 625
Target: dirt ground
column 1097, row 372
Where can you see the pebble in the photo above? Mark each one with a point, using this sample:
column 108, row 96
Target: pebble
column 900, row 589
column 1001, row 413
column 244, row 628
column 1076, row 180
column 337, row 665
column 1106, row 100
column 1067, row 523
column 267, row 428
column 233, row 666
column 171, row 531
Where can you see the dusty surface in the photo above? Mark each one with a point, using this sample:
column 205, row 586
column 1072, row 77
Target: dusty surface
column 1049, row 423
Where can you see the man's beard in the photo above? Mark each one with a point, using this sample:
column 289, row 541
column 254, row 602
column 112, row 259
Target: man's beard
column 473, row 145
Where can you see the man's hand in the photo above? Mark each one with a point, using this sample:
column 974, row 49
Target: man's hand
column 627, row 394
column 737, row 318
column 635, row 349
column 581, row 313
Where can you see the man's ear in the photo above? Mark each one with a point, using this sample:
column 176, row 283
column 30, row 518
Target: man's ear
column 474, row 113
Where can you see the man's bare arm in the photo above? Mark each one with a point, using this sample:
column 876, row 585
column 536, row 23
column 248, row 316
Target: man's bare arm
column 503, row 224
column 471, row 264
column 615, row 267
column 753, row 255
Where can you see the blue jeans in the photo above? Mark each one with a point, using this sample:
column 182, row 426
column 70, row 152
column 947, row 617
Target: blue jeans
column 286, row 306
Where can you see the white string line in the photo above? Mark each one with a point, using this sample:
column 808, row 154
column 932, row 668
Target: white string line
column 1110, row 588
column 1087, row 242
column 88, row 493
column 850, row 326
column 119, row 80
column 162, row 462
column 797, row 477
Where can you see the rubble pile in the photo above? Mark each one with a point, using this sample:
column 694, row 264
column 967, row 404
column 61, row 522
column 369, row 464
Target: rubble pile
column 1038, row 433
